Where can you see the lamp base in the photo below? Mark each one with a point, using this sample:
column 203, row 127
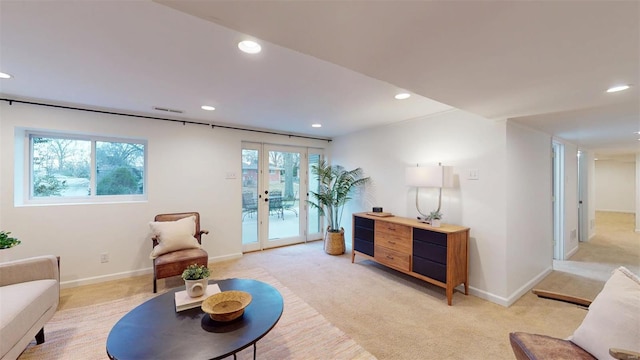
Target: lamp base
column 423, row 220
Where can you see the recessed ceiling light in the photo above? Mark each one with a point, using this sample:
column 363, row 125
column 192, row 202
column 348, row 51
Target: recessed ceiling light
column 403, row 96
column 5, row 76
column 316, row 125
column 250, row 47
column 207, row 107
column 617, row 88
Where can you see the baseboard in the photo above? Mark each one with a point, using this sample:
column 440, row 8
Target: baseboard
column 572, row 252
column 132, row 273
column 616, row 211
column 488, row 296
column 102, row 278
column 508, row 301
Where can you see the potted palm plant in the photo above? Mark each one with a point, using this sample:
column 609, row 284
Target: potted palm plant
column 335, row 187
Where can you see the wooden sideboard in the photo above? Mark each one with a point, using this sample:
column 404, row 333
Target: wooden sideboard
column 438, row 255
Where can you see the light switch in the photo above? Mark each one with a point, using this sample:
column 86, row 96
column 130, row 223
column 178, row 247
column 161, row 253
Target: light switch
column 474, row 174
column 231, row 175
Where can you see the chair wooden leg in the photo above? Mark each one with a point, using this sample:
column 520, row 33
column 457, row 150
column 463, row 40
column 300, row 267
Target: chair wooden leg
column 155, row 285
column 40, row 336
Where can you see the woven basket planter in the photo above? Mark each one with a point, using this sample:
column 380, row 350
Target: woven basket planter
column 334, row 242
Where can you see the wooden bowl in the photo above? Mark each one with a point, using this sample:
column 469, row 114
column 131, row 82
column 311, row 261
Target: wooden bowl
column 226, row 305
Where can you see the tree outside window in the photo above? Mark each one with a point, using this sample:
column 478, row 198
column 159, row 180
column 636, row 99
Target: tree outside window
column 62, row 167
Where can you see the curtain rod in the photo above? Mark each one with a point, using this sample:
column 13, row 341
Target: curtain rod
column 184, row 122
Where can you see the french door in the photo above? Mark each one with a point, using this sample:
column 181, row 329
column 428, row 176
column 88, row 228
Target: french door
column 274, row 193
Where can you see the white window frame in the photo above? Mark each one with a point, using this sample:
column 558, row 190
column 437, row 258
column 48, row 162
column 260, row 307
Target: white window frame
column 24, row 163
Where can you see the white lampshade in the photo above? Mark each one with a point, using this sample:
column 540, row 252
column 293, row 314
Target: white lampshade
column 425, row 176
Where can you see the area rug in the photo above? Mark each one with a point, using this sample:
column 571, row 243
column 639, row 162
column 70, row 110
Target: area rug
column 301, row 333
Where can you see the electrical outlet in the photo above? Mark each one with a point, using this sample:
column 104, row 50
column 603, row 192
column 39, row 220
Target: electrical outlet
column 231, row 175
column 474, row 174
column 104, row 258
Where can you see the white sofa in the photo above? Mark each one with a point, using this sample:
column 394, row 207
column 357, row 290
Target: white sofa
column 29, row 296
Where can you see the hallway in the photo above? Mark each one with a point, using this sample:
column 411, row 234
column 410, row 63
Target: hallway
column 615, row 244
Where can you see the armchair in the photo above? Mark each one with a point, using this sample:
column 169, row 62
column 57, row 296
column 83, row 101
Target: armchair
column 612, row 324
column 176, row 240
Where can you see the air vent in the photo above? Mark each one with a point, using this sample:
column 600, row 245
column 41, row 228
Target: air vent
column 167, row 110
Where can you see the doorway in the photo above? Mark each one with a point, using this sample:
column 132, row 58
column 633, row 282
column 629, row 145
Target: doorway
column 274, row 192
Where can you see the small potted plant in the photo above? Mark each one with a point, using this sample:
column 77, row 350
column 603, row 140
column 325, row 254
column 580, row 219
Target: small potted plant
column 196, row 278
column 434, row 218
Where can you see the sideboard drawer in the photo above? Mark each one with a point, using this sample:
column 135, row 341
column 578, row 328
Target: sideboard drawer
column 433, row 237
column 364, row 222
column 365, row 247
column 398, row 230
column 430, row 269
column 393, row 236
column 394, row 242
column 430, row 251
column 363, row 233
column 393, row 258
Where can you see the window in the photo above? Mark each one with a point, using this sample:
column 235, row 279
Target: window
column 75, row 168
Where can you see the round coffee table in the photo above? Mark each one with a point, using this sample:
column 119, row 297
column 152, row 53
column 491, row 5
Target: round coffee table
column 154, row 330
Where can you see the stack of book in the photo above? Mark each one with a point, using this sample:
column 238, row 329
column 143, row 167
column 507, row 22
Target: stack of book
column 185, row 302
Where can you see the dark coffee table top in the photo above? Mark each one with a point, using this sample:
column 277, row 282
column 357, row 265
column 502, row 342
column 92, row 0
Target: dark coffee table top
column 154, row 330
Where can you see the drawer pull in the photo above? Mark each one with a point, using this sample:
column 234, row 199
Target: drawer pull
column 391, row 229
column 389, row 257
column 391, row 242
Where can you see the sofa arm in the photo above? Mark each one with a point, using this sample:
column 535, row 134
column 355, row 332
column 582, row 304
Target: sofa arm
column 34, row 268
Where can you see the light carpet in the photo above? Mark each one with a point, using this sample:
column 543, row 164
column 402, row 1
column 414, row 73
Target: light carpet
column 301, row 333
column 614, row 244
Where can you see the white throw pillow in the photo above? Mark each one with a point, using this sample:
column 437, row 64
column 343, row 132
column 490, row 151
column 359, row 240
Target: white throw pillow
column 613, row 319
column 174, row 235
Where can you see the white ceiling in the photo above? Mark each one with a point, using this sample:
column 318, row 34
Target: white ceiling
column 543, row 64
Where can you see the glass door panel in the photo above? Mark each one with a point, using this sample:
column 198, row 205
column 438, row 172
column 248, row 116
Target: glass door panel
column 314, row 228
column 282, row 198
column 250, row 191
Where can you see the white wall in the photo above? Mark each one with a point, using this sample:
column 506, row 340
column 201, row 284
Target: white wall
column 463, row 141
column 615, row 186
column 187, row 165
column 529, row 223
